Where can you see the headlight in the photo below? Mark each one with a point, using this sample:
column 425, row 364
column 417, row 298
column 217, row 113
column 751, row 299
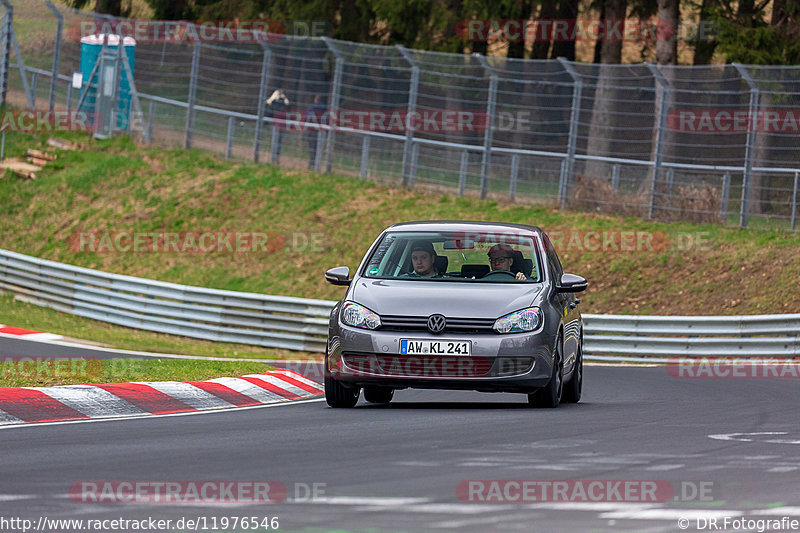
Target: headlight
column 519, row 321
column 359, row 316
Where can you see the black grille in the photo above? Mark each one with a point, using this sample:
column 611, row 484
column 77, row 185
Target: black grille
column 428, row 366
column 420, row 323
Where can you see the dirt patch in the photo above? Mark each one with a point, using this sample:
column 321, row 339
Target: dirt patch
column 685, row 203
column 155, row 165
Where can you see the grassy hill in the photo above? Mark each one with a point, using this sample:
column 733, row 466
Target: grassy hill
column 316, row 221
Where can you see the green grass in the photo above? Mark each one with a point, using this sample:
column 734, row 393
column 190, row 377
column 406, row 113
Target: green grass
column 29, row 316
column 77, row 371
column 316, row 221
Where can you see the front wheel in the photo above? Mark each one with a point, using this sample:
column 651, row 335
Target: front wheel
column 572, row 390
column 337, row 395
column 550, row 394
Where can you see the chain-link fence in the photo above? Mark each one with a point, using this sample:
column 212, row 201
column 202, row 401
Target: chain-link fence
column 709, row 144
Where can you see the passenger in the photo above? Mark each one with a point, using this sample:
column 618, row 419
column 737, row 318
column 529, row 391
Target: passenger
column 277, row 107
column 501, row 257
column 423, row 258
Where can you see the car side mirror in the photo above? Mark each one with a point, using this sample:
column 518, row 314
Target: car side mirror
column 572, row 283
column 338, row 276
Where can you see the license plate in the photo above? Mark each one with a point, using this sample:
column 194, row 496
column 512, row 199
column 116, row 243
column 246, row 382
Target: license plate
column 425, row 347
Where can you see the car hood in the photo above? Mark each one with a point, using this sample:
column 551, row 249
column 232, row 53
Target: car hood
column 453, row 299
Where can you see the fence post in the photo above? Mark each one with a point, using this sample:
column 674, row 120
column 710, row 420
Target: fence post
column 365, row 156
column 670, row 180
column 794, row 199
column 135, row 112
column 34, row 83
column 568, row 169
column 663, row 89
column 273, row 145
column 412, row 171
column 333, row 109
column 56, row 56
column 412, row 106
column 151, row 117
column 488, row 135
column 5, row 60
column 462, row 172
column 512, row 186
column 747, row 177
column 192, row 95
column 115, row 93
column 98, row 68
column 615, row 176
column 726, row 191
column 320, row 145
column 266, row 61
column 229, row 137
column 20, row 64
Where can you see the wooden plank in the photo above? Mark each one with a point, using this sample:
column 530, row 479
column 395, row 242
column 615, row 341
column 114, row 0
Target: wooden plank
column 38, row 162
column 58, row 143
column 40, row 155
column 18, row 165
column 23, row 174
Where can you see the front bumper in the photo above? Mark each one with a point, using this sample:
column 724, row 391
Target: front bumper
column 520, row 362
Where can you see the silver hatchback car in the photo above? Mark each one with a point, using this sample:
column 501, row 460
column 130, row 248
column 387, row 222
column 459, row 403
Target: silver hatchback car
column 456, row 305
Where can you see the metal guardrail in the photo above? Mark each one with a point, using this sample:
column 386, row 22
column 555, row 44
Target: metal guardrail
column 227, row 316
column 693, row 336
column 301, row 323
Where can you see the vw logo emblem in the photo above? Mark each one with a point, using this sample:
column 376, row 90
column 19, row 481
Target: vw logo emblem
column 436, row 323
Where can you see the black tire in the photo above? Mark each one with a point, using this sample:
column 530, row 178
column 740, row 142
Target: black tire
column 337, row 395
column 550, row 394
column 378, row 395
column 573, row 388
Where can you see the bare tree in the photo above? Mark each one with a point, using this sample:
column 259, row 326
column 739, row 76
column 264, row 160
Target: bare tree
column 666, row 55
column 567, row 10
column 704, row 45
column 541, row 45
column 766, row 143
column 667, row 32
column 603, row 110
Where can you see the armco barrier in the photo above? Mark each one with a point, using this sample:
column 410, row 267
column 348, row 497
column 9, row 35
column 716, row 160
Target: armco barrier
column 228, row 316
column 301, row 323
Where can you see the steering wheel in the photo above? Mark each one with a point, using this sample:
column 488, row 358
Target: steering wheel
column 506, row 272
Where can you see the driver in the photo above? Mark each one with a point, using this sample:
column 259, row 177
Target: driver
column 501, row 257
column 423, row 258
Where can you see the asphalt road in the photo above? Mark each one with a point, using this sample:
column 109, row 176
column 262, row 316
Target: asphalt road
column 397, row 468
column 11, row 347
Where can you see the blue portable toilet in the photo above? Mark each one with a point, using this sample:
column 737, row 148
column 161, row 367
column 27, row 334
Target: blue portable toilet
column 91, row 50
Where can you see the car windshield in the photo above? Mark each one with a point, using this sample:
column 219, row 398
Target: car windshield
column 474, row 257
